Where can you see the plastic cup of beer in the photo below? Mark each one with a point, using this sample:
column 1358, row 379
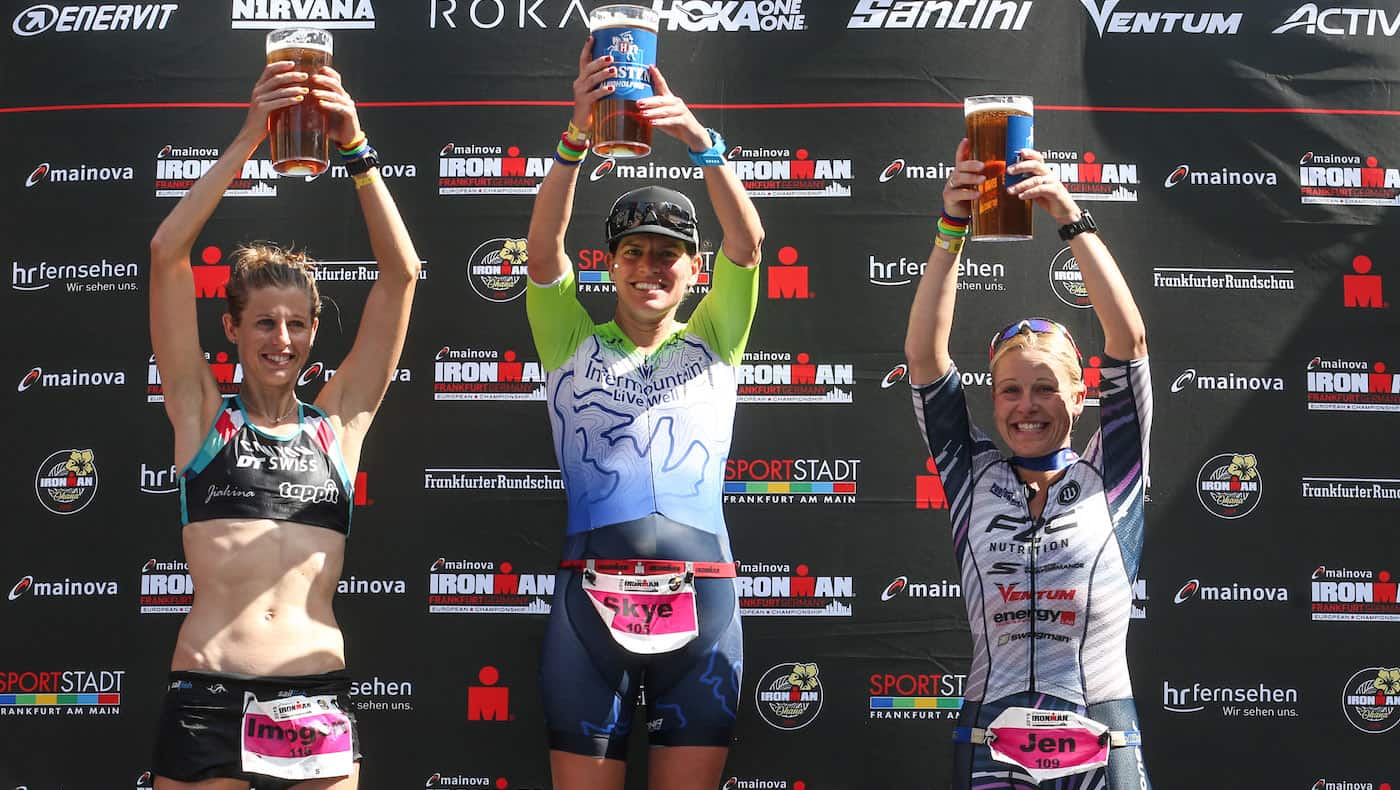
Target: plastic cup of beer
column 300, row 146
column 628, row 34
column 998, row 128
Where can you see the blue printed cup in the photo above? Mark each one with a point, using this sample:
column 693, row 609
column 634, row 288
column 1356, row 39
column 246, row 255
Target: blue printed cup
column 627, row 33
column 999, row 126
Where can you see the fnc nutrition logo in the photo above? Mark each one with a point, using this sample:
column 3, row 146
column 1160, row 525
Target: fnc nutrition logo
column 916, row 695
column 1351, row 385
column 1087, row 178
column 768, row 589
column 1232, row 592
column 496, row 269
column 68, row 379
column 1371, row 699
column 1313, row 20
column 227, row 375
column 1222, row 177
column 105, row 18
column 1347, row 180
column 477, row 374
column 1108, row 19
column 1229, row 485
column 178, row 167
column 782, row 377
column 783, row 172
column 789, row 696
column 489, row 170
column 166, row 587
column 1343, row 594
column 965, row 15
column 67, row 481
column 78, row 174
column 329, row 14
column 789, row 481
column 486, row 587
column 73, row 692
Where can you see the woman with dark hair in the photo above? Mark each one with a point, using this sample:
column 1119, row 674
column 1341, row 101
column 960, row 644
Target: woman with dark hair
column 258, row 693
column 642, row 409
column 1048, row 541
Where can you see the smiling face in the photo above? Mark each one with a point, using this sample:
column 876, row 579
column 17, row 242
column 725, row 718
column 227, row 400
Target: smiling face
column 652, row 274
column 1035, row 402
column 274, row 334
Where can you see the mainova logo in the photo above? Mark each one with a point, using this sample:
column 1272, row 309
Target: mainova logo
column 78, row 174
column 1192, row 380
column 901, row 168
column 489, row 170
column 789, row 481
column 70, row 379
column 964, row 15
column 775, row 589
column 1221, row 177
column 783, row 377
column 317, row 371
column 330, row 14
column 32, row 587
column 1319, row 20
column 785, row 172
column 105, row 18
column 178, row 167
column 1232, row 592
column 1347, row 180
column 902, row 587
column 645, row 170
column 1108, row 19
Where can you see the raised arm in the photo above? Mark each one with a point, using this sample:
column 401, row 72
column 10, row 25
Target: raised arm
column 191, row 394
column 931, row 316
column 743, row 232
column 546, row 258
column 354, row 395
column 1125, row 335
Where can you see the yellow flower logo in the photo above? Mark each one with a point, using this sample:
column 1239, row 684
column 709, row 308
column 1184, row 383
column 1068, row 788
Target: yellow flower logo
column 513, row 254
column 804, row 677
column 1388, row 681
column 1244, row 467
column 79, row 462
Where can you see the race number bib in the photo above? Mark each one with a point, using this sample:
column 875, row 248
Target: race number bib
column 296, row 738
column 1048, row 744
column 646, row 614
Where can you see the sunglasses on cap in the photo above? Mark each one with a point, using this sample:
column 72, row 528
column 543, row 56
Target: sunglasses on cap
column 671, row 216
column 1042, row 326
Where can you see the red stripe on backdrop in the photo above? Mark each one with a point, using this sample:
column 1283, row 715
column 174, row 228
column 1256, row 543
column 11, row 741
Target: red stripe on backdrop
column 720, row 106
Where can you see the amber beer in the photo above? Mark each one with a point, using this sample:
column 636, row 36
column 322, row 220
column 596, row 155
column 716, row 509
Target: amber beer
column 996, row 214
column 300, row 146
column 628, row 33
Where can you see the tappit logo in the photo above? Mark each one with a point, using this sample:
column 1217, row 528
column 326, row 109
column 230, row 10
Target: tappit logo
column 1230, row 381
column 1223, row 177
column 166, row 587
column 73, row 692
column 377, row 694
column 902, row 587
column 78, row 174
column 228, row 375
column 67, row 481
column 497, row 269
column 1313, row 20
column 1347, row 180
column 789, row 696
column 1067, row 282
column 178, row 167
column 787, row 280
column 929, row 493
column 98, row 277
column 788, row 481
column 116, row 17
column 966, row 15
column 899, row 168
column 477, row 374
column 329, row 14
column 1352, row 489
column 1108, row 19
column 1351, row 385
column 972, row 275
column 1229, row 485
column 317, row 371
column 1343, row 594
column 1087, row 178
column 489, row 170
column 1232, row 592
column 591, row 270
column 781, row 172
column 781, row 377
column 648, row 171
column 486, row 587
column 1371, row 699
column 916, row 696
column 1253, row 701
column 792, row 592
column 1361, row 288
column 489, row 702
column 68, row 379
column 709, row 16
column 62, row 588
column 158, row 480
column 494, row 481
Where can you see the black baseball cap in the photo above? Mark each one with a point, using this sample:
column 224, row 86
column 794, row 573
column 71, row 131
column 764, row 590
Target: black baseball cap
column 658, row 210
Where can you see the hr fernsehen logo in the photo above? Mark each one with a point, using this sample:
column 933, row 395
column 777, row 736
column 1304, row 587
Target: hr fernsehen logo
column 1362, row 289
column 488, row 702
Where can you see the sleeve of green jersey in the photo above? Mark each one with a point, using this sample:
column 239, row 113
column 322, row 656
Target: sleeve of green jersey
column 725, row 315
column 557, row 320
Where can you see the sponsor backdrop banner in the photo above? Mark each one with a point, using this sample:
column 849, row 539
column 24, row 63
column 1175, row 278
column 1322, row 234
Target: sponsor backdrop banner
column 1242, row 161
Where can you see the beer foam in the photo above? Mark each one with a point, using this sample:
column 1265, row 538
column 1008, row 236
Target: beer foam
column 1007, row 106
column 606, row 17
column 296, row 41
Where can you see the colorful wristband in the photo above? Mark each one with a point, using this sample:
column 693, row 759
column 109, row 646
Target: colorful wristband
column 951, row 230
column 569, row 155
column 354, row 149
column 566, row 162
column 576, row 146
column 956, row 221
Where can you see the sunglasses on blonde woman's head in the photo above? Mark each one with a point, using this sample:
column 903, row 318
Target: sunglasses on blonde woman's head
column 1041, row 326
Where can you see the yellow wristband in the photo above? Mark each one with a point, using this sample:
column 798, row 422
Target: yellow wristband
column 576, row 134
column 952, row 244
column 366, row 178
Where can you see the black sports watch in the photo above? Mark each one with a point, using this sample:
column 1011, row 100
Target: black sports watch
column 1085, row 224
column 371, row 159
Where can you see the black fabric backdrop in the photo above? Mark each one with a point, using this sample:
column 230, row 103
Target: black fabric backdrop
column 1266, row 92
